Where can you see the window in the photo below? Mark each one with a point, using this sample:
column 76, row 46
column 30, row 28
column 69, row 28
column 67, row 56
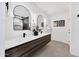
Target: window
column 59, row 23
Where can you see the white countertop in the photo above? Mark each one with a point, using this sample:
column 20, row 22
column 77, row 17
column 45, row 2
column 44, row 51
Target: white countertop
column 18, row 41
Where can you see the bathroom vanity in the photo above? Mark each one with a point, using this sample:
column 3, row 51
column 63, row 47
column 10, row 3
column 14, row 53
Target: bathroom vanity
column 28, row 47
column 28, row 31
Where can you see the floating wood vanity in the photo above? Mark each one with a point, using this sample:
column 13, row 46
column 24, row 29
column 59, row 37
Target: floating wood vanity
column 28, row 48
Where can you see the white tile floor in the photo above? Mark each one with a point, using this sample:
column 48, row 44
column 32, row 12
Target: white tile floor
column 54, row 49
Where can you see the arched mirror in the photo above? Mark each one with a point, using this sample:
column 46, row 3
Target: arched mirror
column 22, row 18
column 40, row 22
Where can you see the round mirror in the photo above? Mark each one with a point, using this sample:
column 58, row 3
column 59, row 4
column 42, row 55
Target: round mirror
column 20, row 10
column 22, row 16
column 40, row 21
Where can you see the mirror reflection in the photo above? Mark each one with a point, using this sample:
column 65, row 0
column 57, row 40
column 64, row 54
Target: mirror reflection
column 40, row 23
column 21, row 20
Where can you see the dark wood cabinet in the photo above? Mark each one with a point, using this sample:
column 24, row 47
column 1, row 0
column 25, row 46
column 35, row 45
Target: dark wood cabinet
column 27, row 49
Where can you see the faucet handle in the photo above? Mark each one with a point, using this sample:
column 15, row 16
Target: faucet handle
column 24, row 35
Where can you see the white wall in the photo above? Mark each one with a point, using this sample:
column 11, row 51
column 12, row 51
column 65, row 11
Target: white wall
column 74, row 44
column 58, row 11
column 10, row 33
column 2, row 28
column 35, row 11
column 61, row 33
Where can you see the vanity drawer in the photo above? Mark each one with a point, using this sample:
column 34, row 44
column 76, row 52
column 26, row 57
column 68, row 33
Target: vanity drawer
column 18, row 50
column 35, row 49
column 21, row 49
column 27, row 48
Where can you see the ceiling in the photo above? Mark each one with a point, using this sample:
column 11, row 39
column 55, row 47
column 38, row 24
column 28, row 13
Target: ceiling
column 53, row 8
